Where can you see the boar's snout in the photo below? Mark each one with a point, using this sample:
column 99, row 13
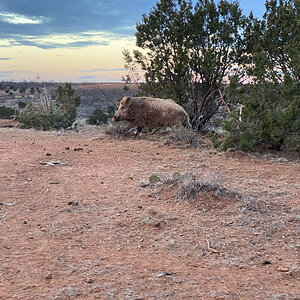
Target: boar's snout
column 116, row 118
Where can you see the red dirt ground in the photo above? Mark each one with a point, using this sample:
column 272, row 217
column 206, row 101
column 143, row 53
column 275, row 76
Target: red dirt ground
column 86, row 229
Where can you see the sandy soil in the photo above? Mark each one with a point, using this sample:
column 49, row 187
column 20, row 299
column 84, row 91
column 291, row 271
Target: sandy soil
column 84, row 228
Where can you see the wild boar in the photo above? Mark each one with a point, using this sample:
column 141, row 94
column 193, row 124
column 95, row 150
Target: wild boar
column 151, row 112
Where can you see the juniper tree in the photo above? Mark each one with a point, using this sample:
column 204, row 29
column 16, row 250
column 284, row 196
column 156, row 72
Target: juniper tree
column 271, row 113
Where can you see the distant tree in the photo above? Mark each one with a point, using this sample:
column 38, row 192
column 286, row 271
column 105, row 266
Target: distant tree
column 13, row 87
column 186, row 51
column 22, row 90
column 32, row 90
column 22, row 104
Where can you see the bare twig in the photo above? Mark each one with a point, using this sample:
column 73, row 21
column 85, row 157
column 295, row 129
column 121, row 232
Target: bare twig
column 211, row 249
column 100, row 91
column 225, row 104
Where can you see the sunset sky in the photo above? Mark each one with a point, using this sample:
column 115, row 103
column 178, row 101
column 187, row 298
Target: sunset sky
column 75, row 41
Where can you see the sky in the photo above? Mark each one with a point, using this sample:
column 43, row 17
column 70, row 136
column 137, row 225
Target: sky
column 73, row 41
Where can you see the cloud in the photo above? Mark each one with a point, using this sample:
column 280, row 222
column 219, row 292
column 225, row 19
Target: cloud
column 68, row 40
column 63, row 45
column 13, row 18
column 101, row 70
column 14, row 73
column 88, row 78
column 40, row 18
column 53, row 41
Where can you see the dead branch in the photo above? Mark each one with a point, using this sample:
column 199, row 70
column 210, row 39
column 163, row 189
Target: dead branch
column 211, row 249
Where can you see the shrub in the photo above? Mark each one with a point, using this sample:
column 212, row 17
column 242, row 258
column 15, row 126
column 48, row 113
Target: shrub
column 60, row 113
column 98, row 118
column 22, row 104
column 32, row 117
column 111, row 111
column 22, row 90
column 66, row 102
column 270, row 117
column 6, row 112
column 117, row 129
column 184, row 135
column 190, row 185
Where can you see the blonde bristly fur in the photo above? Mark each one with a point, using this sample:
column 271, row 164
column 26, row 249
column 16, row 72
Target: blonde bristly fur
column 151, row 112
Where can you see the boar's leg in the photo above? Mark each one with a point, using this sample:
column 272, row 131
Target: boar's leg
column 130, row 126
column 139, row 130
column 154, row 131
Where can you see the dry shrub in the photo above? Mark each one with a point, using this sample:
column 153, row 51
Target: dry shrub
column 190, row 185
column 184, row 135
column 116, row 130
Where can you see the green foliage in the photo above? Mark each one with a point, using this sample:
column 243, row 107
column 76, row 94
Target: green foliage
column 32, row 90
column 111, row 111
column 270, row 117
column 97, row 118
column 13, row 87
column 6, row 112
column 22, row 90
column 32, row 117
column 66, row 102
column 271, row 105
column 187, row 51
column 61, row 114
column 22, row 104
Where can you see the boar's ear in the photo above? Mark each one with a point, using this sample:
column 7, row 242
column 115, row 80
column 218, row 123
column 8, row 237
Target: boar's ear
column 127, row 100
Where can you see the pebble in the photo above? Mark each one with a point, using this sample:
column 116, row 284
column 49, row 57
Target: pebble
column 163, row 273
column 282, row 269
column 48, row 276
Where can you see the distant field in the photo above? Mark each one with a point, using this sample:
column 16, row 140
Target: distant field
column 93, row 95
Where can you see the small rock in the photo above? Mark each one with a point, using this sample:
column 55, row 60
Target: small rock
column 25, row 222
column 266, row 262
column 67, row 148
column 157, row 225
column 143, row 184
column 163, row 273
column 54, row 182
column 48, row 276
column 78, row 149
column 74, row 203
column 282, row 269
column 48, row 154
column 89, row 280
